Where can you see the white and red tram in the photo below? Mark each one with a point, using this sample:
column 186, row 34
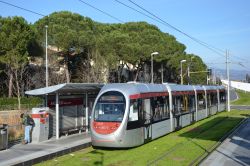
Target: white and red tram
column 131, row 114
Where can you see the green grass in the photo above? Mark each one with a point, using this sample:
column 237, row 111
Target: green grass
column 178, row 148
column 244, row 98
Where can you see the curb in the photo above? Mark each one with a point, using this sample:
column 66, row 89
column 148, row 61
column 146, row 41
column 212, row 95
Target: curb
column 53, row 155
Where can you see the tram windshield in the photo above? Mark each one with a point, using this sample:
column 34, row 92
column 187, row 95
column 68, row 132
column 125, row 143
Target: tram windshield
column 110, row 107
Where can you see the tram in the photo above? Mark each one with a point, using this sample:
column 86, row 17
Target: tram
column 131, row 114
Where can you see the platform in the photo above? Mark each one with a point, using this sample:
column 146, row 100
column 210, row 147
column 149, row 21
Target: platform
column 33, row 153
column 234, row 151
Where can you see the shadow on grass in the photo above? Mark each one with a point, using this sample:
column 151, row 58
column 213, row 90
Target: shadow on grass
column 212, row 130
column 101, row 154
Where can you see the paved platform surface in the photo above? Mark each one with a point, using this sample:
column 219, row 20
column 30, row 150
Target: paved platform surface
column 36, row 152
column 234, row 151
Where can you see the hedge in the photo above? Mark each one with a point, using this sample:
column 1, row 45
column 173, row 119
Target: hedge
column 26, row 103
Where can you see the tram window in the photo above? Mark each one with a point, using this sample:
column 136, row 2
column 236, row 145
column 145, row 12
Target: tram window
column 110, row 107
column 181, row 104
column 209, row 102
column 191, row 103
column 178, row 104
column 133, row 111
column 214, row 99
column 222, row 97
column 201, row 101
column 166, row 111
column 185, row 103
column 158, row 108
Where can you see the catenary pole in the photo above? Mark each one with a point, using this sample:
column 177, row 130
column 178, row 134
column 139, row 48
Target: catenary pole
column 228, row 82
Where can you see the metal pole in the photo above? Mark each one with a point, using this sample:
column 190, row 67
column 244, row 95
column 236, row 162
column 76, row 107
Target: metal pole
column 188, row 74
column 181, row 74
column 162, row 73
column 87, row 113
column 46, row 59
column 152, row 71
column 46, row 63
column 228, row 84
column 57, row 116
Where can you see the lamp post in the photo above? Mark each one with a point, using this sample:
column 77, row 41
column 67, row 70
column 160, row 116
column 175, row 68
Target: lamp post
column 152, row 66
column 182, row 61
column 46, row 58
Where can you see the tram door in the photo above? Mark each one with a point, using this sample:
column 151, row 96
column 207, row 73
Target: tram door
column 147, row 120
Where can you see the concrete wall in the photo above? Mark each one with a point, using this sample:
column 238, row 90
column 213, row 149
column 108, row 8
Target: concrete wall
column 238, row 85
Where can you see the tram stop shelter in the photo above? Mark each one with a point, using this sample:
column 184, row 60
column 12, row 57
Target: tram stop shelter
column 70, row 104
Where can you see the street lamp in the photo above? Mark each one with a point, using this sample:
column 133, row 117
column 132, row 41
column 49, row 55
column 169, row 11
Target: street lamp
column 152, row 66
column 182, row 61
column 46, row 58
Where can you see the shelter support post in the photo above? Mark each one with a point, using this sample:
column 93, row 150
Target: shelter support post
column 57, row 116
column 87, row 113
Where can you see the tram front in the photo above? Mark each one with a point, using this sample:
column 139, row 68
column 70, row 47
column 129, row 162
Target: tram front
column 107, row 118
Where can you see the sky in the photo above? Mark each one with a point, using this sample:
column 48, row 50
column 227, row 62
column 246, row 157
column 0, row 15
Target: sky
column 223, row 24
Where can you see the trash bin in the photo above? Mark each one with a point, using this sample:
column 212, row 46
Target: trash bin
column 3, row 136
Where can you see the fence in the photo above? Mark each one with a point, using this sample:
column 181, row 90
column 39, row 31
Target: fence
column 15, row 128
column 15, row 134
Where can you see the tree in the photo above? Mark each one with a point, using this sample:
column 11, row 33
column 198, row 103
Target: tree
column 120, row 47
column 16, row 35
column 70, row 33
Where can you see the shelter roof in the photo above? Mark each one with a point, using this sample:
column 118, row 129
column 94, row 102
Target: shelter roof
column 66, row 88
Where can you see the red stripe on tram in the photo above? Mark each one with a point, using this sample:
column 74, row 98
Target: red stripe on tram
column 147, row 95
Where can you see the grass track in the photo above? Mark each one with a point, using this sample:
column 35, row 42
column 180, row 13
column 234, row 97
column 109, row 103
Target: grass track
column 244, row 98
column 178, row 148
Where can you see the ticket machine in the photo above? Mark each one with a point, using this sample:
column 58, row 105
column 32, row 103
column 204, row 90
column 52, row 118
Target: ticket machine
column 40, row 130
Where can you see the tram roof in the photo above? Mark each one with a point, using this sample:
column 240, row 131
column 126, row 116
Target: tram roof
column 177, row 87
column 135, row 87
column 66, row 88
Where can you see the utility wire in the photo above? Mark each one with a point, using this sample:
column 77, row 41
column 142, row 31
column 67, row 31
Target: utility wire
column 138, row 11
column 234, row 63
column 234, row 56
column 23, row 9
column 212, row 48
column 107, row 14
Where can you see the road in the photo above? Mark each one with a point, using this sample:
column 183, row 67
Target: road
column 234, row 151
column 240, row 107
column 233, row 95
